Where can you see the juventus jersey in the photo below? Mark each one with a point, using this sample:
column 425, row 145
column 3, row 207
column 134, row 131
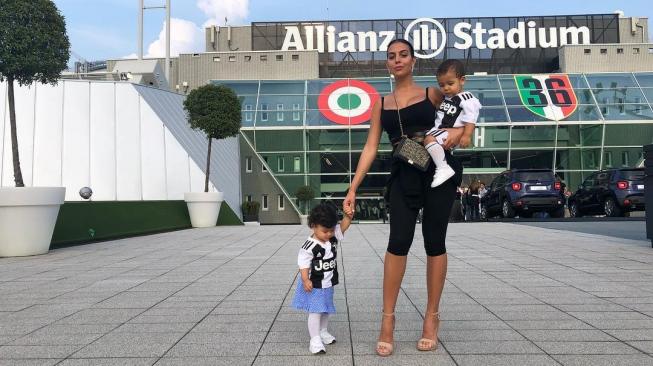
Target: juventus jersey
column 455, row 112
column 320, row 258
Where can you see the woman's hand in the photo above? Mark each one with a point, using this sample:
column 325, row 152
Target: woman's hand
column 349, row 203
column 453, row 139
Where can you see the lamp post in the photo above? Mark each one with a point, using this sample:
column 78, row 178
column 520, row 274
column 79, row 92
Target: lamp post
column 141, row 10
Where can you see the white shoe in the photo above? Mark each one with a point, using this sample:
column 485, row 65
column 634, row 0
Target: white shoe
column 441, row 175
column 316, row 346
column 327, row 338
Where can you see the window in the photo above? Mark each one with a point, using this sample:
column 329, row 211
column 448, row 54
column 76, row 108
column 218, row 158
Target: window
column 248, row 58
column 604, row 51
column 232, row 58
column 264, row 58
column 296, row 57
column 264, row 167
column 264, row 202
column 248, row 113
column 279, row 112
column 650, row 51
column 248, row 198
column 589, row 182
column 264, row 113
column 295, row 112
column 216, row 59
column 602, row 178
column 591, row 159
column 279, row 57
column 280, row 202
column 622, row 105
column 620, row 51
column 587, row 51
column 281, row 164
column 607, row 159
column 297, row 164
column 637, row 107
column 248, row 164
column 605, row 109
column 636, row 51
column 624, row 159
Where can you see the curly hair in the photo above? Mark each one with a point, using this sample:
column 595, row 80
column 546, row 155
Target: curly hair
column 324, row 214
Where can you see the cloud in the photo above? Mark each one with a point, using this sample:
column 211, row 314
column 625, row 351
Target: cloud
column 216, row 10
column 185, row 37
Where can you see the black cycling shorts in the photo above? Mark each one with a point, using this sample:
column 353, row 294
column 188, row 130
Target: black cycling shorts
column 435, row 218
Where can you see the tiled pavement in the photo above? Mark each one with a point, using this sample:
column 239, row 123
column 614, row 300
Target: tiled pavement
column 515, row 295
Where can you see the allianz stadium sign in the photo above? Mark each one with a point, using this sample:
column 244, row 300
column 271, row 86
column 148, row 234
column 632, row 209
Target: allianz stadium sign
column 429, row 37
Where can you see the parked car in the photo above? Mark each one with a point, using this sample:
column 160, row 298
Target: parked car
column 522, row 192
column 612, row 192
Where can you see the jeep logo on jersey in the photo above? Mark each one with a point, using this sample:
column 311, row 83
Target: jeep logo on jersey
column 449, row 109
column 548, row 96
column 347, row 101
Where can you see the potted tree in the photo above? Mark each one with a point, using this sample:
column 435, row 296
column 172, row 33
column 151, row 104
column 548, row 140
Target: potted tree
column 305, row 195
column 250, row 211
column 215, row 110
column 34, row 47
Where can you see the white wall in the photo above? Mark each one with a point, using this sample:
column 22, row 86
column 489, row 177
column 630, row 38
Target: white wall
column 106, row 136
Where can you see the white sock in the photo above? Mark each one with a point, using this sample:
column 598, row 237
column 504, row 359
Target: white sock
column 437, row 154
column 314, row 324
column 324, row 321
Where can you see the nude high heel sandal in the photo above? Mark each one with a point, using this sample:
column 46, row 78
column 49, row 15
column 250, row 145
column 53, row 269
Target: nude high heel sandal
column 385, row 349
column 425, row 344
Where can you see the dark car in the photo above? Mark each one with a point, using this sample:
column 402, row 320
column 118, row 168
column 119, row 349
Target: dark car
column 522, row 192
column 612, row 192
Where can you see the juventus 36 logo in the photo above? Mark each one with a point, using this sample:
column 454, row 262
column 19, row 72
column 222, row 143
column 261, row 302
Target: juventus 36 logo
column 548, row 96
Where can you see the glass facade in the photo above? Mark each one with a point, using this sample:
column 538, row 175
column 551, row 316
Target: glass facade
column 312, row 133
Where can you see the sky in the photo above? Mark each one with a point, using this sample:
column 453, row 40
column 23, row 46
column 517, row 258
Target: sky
column 107, row 29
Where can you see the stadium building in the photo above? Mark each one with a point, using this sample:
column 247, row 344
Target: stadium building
column 571, row 93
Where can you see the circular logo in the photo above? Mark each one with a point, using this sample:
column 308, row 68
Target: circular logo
column 347, row 101
column 427, row 36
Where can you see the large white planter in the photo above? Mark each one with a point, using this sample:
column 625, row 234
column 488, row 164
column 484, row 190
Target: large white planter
column 203, row 207
column 27, row 219
column 303, row 220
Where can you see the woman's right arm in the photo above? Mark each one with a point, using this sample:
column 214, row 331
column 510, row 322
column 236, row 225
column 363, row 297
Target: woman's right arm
column 366, row 159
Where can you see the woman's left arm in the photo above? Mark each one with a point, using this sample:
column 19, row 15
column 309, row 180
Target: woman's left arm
column 436, row 97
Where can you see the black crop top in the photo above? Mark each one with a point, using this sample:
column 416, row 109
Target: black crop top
column 417, row 117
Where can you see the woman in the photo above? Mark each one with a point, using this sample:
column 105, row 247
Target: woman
column 409, row 190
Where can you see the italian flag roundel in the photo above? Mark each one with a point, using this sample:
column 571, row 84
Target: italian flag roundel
column 347, row 101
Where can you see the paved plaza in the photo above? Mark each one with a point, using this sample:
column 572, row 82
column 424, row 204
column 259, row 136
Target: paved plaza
column 515, row 295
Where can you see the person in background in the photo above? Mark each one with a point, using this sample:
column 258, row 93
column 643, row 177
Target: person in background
column 474, row 200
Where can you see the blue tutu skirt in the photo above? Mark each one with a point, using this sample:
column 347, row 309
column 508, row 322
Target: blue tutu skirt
column 319, row 300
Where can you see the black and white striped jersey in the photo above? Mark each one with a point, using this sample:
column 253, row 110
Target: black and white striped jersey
column 455, row 112
column 320, row 258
